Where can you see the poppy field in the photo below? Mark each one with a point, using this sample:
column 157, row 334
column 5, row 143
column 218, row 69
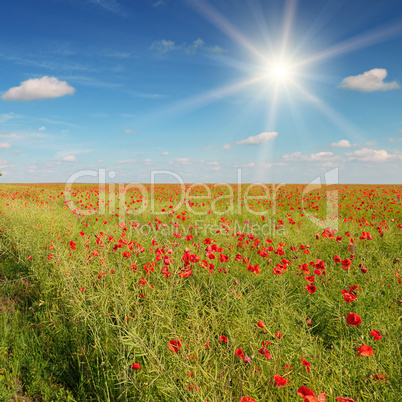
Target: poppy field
column 200, row 293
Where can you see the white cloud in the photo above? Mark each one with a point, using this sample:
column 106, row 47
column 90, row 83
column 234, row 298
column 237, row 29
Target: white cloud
column 396, row 155
column 165, row 153
column 372, row 80
column 244, row 165
column 20, row 137
column 163, row 46
column 368, row 155
column 43, row 128
column 216, row 168
column 396, row 139
column 109, row 5
column 341, row 144
column 214, row 49
column 7, row 116
column 208, row 148
column 258, row 139
column 372, row 143
column 70, row 158
column 227, row 146
column 267, row 165
column 5, row 145
column 213, row 163
column 38, row 88
column 126, row 161
column 197, row 44
column 148, row 161
column 184, row 161
column 3, row 164
column 130, row 131
column 73, row 151
column 318, row 157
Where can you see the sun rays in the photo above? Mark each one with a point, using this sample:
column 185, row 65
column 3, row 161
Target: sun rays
column 276, row 67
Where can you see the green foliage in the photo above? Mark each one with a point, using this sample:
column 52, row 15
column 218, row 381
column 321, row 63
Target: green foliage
column 75, row 318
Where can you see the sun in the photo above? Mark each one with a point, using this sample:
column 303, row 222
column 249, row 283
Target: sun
column 280, row 72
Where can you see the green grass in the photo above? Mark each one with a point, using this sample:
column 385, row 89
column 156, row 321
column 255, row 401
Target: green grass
column 68, row 334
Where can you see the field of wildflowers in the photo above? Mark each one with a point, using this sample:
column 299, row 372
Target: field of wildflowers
column 220, row 293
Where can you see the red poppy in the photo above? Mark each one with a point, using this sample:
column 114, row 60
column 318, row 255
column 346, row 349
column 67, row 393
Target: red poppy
column 321, row 397
column 223, row 338
column 175, row 345
column 223, row 258
column 310, row 278
column 306, row 364
column 337, row 259
column 247, row 399
column 279, row 335
column 353, row 289
column 135, row 366
column 72, row 246
column 348, row 297
column 340, row 399
column 309, row 322
column 280, row 381
column 382, row 377
column 365, row 350
column 346, row 264
column 311, row 289
column 353, row 319
column 126, row 254
column 239, row 353
column 186, row 273
column 307, row 394
column 376, row 334
column 255, row 268
column 261, row 324
column 267, row 355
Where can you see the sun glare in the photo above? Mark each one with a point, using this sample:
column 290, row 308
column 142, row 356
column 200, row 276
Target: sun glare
column 280, row 72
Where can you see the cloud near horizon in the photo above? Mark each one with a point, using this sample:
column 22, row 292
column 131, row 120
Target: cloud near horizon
column 317, row 157
column 341, row 144
column 5, row 145
column 38, row 88
column 368, row 155
column 258, row 139
column 369, row 81
column 70, row 158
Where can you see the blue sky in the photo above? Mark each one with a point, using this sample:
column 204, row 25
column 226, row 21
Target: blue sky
column 283, row 90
